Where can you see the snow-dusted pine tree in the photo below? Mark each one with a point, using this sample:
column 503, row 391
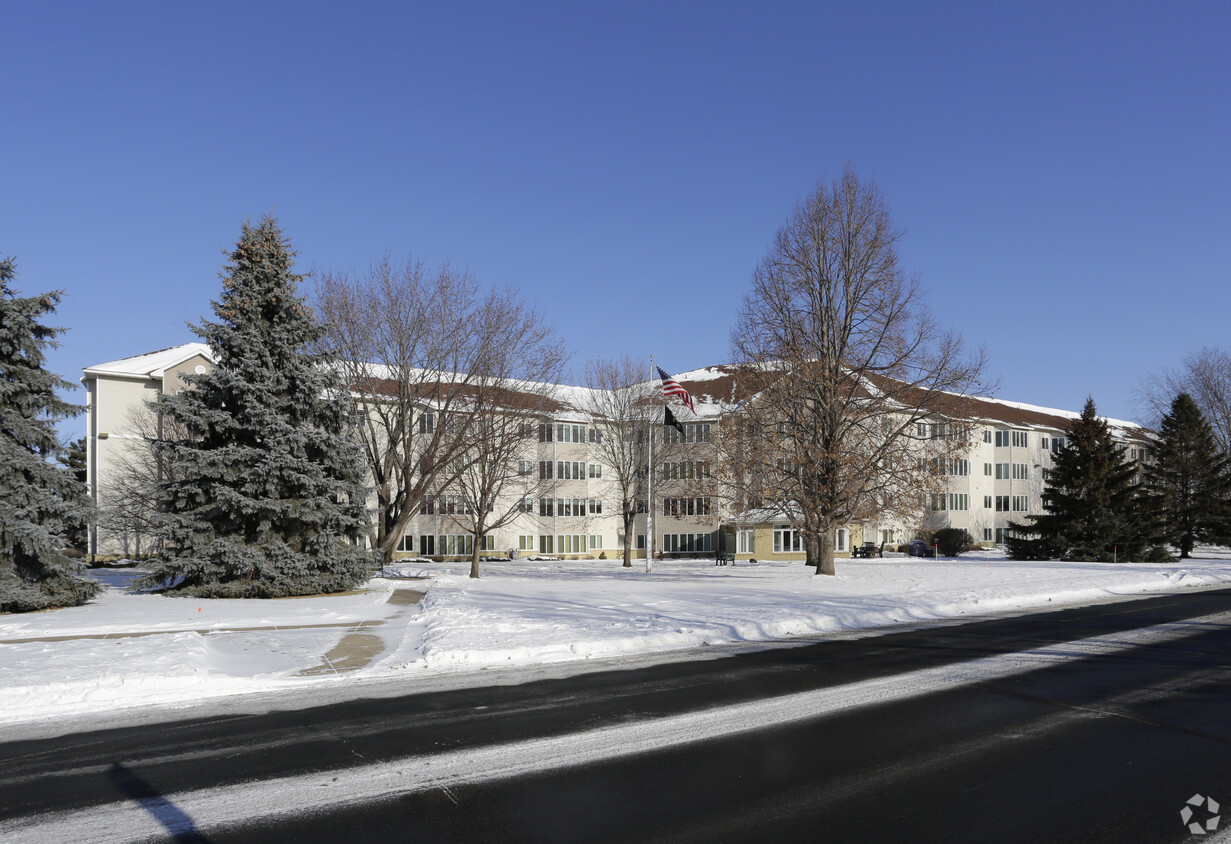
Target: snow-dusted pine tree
column 39, row 499
column 1190, row 482
column 269, row 500
column 1093, row 510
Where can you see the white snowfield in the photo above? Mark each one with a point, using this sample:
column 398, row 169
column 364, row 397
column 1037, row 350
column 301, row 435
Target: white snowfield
column 124, row 652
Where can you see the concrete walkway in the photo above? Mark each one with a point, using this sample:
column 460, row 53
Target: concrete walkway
column 354, row 651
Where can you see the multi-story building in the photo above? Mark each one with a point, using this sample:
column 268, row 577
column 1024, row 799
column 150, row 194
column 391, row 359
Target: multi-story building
column 999, row 479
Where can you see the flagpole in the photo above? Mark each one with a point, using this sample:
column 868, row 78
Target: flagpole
column 649, row 489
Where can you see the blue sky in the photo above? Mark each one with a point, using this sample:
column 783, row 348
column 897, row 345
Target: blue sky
column 1061, row 170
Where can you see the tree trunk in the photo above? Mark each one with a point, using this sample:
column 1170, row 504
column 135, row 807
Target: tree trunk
column 474, row 558
column 811, row 554
column 628, row 543
column 825, row 559
column 824, row 549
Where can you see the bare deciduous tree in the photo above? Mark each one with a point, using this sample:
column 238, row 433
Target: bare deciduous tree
column 1205, row 375
column 128, row 505
column 622, row 407
column 432, row 360
column 858, row 390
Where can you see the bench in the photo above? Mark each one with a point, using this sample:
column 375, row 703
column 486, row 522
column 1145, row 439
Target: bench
column 722, row 558
column 868, row 550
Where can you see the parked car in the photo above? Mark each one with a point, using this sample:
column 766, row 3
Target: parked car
column 919, row 548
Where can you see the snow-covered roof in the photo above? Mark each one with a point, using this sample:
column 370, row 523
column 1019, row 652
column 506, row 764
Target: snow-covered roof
column 151, row 364
column 714, row 390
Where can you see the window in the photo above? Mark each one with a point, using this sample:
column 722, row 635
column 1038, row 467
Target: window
column 545, row 430
column 545, row 470
column 570, row 506
column 1057, row 444
column 987, row 502
column 1002, row 503
column 840, row 537
column 525, row 543
column 938, row 501
column 427, row 423
column 524, row 467
column 596, row 470
column 1002, row 471
column 596, row 435
column 1019, row 439
column 1002, row 439
column 786, row 539
column 674, row 543
column 641, row 542
column 686, row 507
column 455, row 545
column 570, row 470
column 886, row 537
column 527, row 505
column 987, row 534
column 546, row 506
column 746, row 540
column 959, row 501
column 1021, row 503
column 547, row 545
column 596, row 507
column 1021, row 471
column 987, row 469
column 427, row 546
column 573, row 544
column 921, row 430
column 1043, row 443
column 987, row 436
column 406, row 543
column 1001, row 533
column 596, row 542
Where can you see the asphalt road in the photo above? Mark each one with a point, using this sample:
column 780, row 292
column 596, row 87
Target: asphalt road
column 1091, row 724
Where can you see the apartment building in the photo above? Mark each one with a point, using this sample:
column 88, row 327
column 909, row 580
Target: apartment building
column 574, row 509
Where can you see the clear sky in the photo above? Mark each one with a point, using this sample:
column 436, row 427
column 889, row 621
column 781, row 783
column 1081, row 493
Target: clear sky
column 1062, row 170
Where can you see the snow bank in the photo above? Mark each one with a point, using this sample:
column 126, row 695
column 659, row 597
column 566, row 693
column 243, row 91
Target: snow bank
column 129, row 650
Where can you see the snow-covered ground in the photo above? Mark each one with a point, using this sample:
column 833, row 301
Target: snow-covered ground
column 125, row 651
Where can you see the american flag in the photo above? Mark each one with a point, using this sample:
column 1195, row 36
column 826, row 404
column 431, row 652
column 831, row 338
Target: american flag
column 671, row 387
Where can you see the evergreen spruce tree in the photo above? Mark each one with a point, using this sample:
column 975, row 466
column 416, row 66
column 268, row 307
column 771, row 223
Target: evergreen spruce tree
column 39, row 499
column 1189, row 486
column 269, row 492
column 1092, row 510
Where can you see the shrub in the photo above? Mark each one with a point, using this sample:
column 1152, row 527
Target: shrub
column 952, row 541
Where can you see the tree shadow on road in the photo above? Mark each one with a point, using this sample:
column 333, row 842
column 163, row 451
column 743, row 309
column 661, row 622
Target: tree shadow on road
column 177, row 822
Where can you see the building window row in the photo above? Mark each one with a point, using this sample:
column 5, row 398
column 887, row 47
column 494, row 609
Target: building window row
column 564, row 432
column 1012, row 471
column 694, row 432
column 686, row 506
column 448, row 545
column 686, row 470
column 568, row 543
column 686, row 542
column 565, row 506
column 950, row 501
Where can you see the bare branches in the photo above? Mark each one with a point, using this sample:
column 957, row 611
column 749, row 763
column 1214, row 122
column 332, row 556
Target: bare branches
column 440, row 370
column 1206, row 376
column 851, row 371
column 621, row 409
